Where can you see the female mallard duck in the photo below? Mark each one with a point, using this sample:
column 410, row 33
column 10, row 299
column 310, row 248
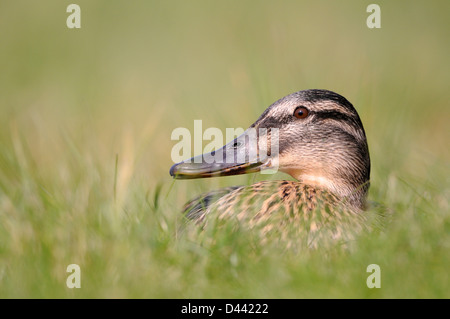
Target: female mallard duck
column 321, row 143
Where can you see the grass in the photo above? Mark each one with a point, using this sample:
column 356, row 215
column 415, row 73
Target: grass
column 85, row 144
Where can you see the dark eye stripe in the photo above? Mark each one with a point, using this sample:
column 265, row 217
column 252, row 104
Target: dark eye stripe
column 316, row 116
column 351, row 121
column 330, row 114
column 334, row 115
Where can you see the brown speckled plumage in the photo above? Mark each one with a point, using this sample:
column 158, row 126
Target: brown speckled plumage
column 265, row 198
column 314, row 215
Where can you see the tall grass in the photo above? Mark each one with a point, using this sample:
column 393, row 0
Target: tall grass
column 85, row 144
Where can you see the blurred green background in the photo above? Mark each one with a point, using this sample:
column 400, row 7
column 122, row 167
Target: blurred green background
column 87, row 115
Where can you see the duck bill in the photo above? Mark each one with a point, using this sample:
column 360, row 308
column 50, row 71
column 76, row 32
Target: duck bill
column 243, row 155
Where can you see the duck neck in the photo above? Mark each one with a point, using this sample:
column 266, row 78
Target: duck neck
column 353, row 195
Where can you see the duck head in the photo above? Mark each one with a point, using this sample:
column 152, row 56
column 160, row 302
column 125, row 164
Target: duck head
column 319, row 140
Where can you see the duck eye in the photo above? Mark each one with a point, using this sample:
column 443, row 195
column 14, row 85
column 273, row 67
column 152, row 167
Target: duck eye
column 301, row 112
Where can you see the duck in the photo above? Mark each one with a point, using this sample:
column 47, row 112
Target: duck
column 317, row 137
